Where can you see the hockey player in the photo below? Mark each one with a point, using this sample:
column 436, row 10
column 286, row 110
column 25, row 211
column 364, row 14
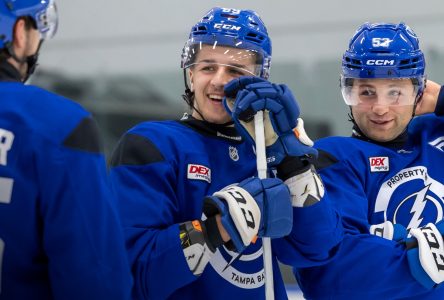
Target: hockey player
column 184, row 230
column 386, row 180
column 59, row 233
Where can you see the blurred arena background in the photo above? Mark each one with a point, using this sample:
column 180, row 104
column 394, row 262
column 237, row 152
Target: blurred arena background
column 121, row 59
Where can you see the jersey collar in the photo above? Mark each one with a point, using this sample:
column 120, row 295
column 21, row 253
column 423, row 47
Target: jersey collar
column 222, row 131
column 396, row 143
column 8, row 72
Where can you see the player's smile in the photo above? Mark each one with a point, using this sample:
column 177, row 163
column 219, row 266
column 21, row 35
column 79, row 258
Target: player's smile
column 216, row 98
column 381, row 123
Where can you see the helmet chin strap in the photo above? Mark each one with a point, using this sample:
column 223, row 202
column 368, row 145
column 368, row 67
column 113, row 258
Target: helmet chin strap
column 203, row 118
column 417, row 100
column 30, row 60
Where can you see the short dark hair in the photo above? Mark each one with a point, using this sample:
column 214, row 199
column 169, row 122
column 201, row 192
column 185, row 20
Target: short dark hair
column 29, row 22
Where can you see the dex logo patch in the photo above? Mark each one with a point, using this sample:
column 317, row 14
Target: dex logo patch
column 379, row 164
column 199, row 172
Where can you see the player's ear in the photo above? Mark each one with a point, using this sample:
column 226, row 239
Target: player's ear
column 19, row 34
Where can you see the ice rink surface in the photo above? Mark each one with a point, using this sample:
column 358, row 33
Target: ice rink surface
column 293, row 292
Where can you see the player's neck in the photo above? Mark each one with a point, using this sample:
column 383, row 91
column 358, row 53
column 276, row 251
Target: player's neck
column 8, row 70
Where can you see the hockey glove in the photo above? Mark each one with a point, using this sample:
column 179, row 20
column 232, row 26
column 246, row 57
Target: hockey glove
column 196, row 244
column 253, row 94
column 426, row 257
column 252, row 208
column 389, row 231
column 300, row 176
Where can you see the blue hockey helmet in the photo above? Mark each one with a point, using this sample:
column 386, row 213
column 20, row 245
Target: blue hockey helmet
column 383, row 51
column 242, row 30
column 43, row 12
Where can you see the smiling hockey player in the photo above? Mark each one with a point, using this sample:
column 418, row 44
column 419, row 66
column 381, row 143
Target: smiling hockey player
column 167, row 174
column 386, row 180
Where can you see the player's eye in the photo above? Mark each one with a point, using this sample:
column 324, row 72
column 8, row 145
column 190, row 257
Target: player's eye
column 395, row 93
column 367, row 92
column 208, row 68
column 236, row 72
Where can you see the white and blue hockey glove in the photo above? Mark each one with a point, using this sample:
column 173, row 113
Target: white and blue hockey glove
column 305, row 184
column 389, row 231
column 254, row 207
column 282, row 135
column 425, row 253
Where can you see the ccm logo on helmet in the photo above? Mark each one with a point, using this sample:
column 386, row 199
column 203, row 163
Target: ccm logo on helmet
column 226, row 26
column 380, row 62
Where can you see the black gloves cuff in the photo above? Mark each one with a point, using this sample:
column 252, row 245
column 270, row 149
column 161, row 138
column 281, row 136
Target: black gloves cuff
column 292, row 166
column 439, row 109
column 212, row 234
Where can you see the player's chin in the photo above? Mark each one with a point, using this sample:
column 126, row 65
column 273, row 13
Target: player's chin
column 382, row 135
column 221, row 117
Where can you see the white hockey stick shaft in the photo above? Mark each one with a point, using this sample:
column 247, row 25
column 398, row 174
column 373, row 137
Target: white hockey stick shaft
column 261, row 162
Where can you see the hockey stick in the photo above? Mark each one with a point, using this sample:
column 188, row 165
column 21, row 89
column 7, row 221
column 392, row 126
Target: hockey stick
column 261, row 162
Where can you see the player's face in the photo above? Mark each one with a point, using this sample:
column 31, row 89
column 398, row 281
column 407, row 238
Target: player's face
column 208, row 76
column 376, row 114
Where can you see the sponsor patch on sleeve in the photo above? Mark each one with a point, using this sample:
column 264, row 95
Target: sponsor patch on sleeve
column 199, row 172
column 379, row 164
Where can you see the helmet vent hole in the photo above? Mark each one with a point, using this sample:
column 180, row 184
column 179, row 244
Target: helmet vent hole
column 407, row 67
column 380, row 51
column 404, row 61
column 200, row 30
column 251, row 36
column 229, row 16
column 351, row 67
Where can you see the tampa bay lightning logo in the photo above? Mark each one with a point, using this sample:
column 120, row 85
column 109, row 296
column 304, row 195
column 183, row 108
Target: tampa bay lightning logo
column 421, row 207
column 245, row 271
column 411, row 198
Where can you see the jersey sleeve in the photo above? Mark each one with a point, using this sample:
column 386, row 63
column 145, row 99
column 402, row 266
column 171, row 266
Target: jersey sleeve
column 365, row 266
column 145, row 183
column 82, row 236
column 317, row 231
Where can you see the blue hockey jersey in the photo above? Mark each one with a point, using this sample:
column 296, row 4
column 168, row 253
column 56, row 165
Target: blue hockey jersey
column 370, row 183
column 161, row 172
column 59, row 233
